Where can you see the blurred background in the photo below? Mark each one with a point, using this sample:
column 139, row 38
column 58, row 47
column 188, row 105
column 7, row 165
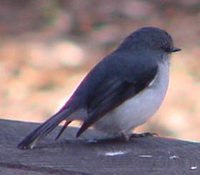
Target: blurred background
column 48, row 46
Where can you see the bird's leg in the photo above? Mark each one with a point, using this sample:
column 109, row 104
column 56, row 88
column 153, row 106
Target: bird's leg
column 122, row 137
column 140, row 135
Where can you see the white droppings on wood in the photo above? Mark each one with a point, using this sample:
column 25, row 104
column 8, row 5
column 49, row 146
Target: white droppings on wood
column 173, row 157
column 115, row 153
column 193, row 167
column 145, row 156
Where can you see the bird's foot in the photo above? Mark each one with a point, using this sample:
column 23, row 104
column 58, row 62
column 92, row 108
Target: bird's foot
column 118, row 138
column 140, row 135
column 121, row 138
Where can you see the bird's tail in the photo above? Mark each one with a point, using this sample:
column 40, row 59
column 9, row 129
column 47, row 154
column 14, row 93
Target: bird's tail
column 45, row 128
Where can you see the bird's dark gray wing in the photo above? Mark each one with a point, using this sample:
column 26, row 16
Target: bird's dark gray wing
column 114, row 91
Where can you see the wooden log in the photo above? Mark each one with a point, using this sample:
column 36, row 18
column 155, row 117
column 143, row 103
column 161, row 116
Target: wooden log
column 140, row 156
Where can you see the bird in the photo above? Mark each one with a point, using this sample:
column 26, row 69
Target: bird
column 121, row 92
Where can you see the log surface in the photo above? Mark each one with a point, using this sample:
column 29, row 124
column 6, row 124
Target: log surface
column 71, row 156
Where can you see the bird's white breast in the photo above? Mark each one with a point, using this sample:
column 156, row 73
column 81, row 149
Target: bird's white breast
column 139, row 108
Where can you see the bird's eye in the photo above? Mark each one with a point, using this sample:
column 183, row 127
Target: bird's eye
column 168, row 50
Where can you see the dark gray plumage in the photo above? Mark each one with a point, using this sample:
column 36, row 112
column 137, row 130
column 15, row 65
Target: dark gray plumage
column 112, row 85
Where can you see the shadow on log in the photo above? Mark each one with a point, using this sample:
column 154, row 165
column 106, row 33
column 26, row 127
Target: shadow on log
column 70, row 156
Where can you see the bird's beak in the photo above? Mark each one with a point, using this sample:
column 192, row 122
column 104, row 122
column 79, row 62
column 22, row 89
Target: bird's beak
column 175, row 49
